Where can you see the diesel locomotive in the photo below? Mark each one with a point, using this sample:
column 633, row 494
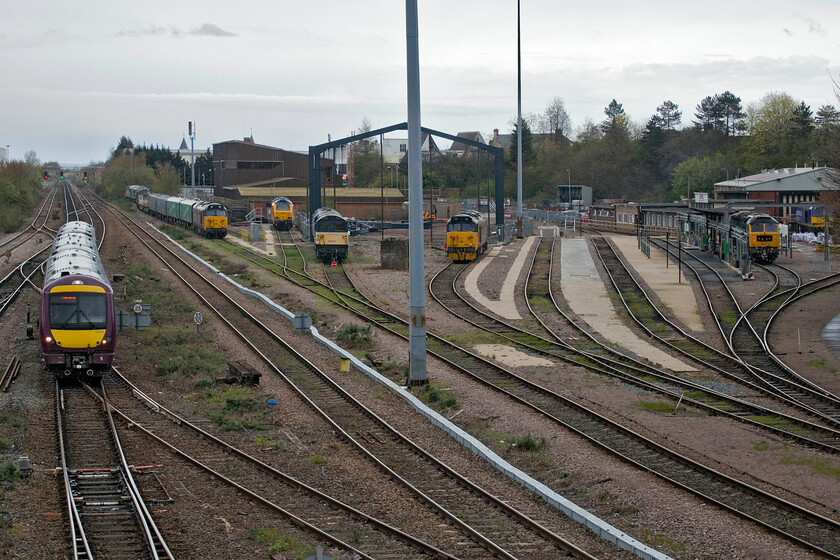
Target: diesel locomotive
column 331, row 233
column 282, row 213
column 466, row 235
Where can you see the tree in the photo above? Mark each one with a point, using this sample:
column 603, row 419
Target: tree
column 770, row 125
column 709, row 115
column 365, row 159
column 615, row 117
column 527, row 142
column 125, row 146
column 20, row 190
column 555, row 121
column 669, row 115
column 653, row 138
column 826, row 115
column 697, row 175
column 168, row 178
column 204, row 168
column 730, row 107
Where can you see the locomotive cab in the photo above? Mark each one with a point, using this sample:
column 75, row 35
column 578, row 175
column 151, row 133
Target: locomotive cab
column 466, row 235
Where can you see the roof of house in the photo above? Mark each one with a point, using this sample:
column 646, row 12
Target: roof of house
column 804, row 179
column 463, row 147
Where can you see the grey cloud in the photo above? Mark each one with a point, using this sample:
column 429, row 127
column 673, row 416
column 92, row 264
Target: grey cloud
column 814, row 26
column 150, row 30
column 787, row 31
column 208, row 29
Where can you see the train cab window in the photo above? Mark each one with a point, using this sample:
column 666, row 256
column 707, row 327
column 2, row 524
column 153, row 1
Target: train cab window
column 327, row 225
column 69, row 311
column 282, row 205
column 461, row 226
column 215, row 212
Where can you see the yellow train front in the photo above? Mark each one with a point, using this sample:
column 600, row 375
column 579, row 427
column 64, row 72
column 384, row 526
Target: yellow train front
column 282, row 213
column 466, row 235
column 331, row 235
column 78, row 322
column 209, row 219
column 762, row 231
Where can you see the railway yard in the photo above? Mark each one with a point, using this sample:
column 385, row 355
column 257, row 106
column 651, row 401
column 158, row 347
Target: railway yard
column 690, row 443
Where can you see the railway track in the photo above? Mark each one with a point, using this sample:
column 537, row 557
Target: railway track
column 108, row 518
column 798, row 524
column 601, row 358
column 801, row 526
column 44, row 213
column 485, row 526
column 345, row 527
column 752, row 359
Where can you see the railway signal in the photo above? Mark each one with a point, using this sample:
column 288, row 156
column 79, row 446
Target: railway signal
column 46, row 175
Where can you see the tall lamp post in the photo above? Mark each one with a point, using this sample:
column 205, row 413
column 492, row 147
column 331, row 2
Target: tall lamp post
column 192, row 155
column 518, row 113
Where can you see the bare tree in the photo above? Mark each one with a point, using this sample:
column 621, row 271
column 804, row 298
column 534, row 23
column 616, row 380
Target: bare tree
column 555, row 120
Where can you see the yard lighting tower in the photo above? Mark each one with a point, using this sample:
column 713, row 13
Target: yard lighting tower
column 192, row 155
column 416, row 283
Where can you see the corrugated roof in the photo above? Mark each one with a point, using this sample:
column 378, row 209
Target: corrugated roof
column 805, row 179
column 303, row 192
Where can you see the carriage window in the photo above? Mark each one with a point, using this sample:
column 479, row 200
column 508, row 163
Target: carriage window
column 71, row 311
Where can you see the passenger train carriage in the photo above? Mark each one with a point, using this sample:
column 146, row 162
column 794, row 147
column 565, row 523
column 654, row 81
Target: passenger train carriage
column 466, row 235
column 78, row 329
column 282, row 213
column 331, row 234
column 762, row 233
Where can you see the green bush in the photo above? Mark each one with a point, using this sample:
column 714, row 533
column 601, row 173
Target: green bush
column 354, row 336
column 8, row 472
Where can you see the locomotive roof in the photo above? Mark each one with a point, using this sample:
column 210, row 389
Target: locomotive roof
column 473, row 215
column 325, row 212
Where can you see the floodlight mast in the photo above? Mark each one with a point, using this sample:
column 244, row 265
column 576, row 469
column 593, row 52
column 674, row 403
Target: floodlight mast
column 416, row 282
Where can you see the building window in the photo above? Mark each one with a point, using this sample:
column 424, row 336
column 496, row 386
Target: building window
column 403, row 148
column 258, row 164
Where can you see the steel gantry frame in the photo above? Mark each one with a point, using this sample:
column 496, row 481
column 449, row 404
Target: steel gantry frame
column 316, row 152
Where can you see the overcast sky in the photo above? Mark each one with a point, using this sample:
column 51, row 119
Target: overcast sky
column 77, row 75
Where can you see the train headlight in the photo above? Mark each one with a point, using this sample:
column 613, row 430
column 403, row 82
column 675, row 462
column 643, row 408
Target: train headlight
column 48, row 340
column 106, row 340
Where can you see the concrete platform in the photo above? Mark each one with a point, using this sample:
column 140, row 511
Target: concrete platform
column 505, row 306
column 587, row 296
column 664, row 280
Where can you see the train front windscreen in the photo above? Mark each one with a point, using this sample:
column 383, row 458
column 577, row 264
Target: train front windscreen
column 78, row 311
